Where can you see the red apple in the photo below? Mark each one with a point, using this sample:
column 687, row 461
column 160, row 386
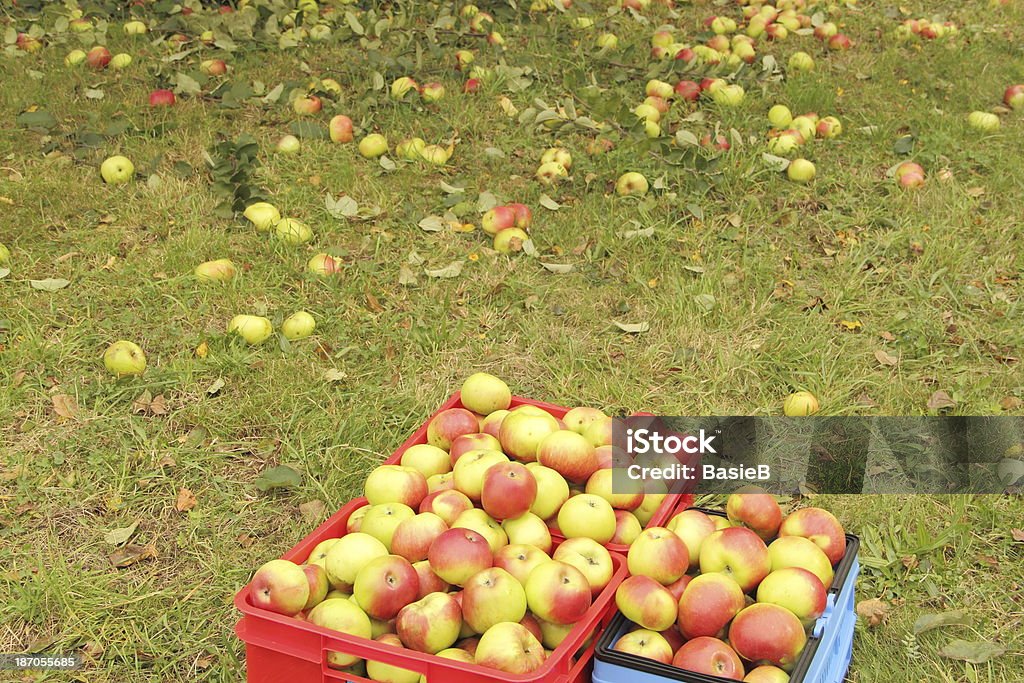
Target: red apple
column 646, row 602
column 508, row 490
column 687, row 90
column 485, row 525
column 494, row 221
column 819, row 526
column 491, row 424
column 472, row 442
column 768, row 634
column 98, row 57
column 450, row 424
column 316, row 575
column 280, row 586
column 659, row 554
column 676, row 588
column 645, row 643
column 161, row 98
column 839, row 41
column 472, row 85
column 447, row 504
column 413, row 537
column 519, row 560
column 756, row 511
column 1014, row 97
column 738, row 553
column 708, row 604
column 458, row 554
column 558, row 592
column 591, row 558
column 429, row 581
column 430, row 624
column 569, row 454
column 798, row 590
column 523, row 216
column 340, row 129
column 385, row 585
column 709, row 656
column 395, row 484
column 532, row 625
column 307, row 104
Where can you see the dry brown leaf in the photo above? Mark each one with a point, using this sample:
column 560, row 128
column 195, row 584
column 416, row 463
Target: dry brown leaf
column 313, row 510
column 373, row 304
column 204, row 662
column 887, row 336
column 1010, row 403
column 186, row 500
column 885, row 358
column 1017, row 535
column 18, row 378
column 874, row 611
column 166, row 461
column 245, row 540
column 158, row 405
column 130, row 554
column 939, row 400
column 141, row 404
column 65, row 406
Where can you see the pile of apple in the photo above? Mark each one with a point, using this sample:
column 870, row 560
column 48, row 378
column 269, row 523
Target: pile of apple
column 925, row 29
column 454, row 556
column 730, row 596
column 508, row 225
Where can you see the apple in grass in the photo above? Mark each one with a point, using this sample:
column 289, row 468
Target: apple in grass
column 629, row 497
column 340, row 129
column 829, row 127
column 645, row 643
column 98, row 57
column 766, row 674
column 472, row 442
column 711, row 656
column 213, row 67
column 380, row 521
column 413, row 536
column 432, row 92
column 521, row 432
column 800, row 171
column 426, row 459
column 647, row 603
column 491, row 597
column 658, row 89
column 800, row 403
column 756, row 511
column 401, row 87
column 280, row 586
column 796, row 589
column 450, row 424
column 430, row 624
column 1014, row 97
column 840, row 41
column 660, row 554
column 739, row 554
column 983, row 121
column 480, row 522
column 510, row 241
column 124, row 359
column 494, row 221
column 692, row 527
column 587, row 516
column 591, row 558
column 551, row 172
column 117, row 170
column 819, row 526
column 796, row 551
column 558, row 155
column 263, row 215
column 458, row 554
column 558, row 592
column 768, row 634
column 510, row 647
column 469, row 471
column 524, row 216
column 528, row 529
column 373, row 146
column 161, row 98
column 687, row 90
column 481, row 392
column 342, row 615
column 568, row 453
column 395, row 484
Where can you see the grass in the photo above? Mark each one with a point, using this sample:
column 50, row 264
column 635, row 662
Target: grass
column 807, row 282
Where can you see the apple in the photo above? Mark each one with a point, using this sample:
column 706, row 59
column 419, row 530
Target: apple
column 646, row 602
column 578, row 419
column 520, row 559
column 430, row 624
column 709, row 656
column 550, row 172
column 494, row 221
column 355, row 520
column 395, row 484
column 602, row 483
column 658, row 89
column 480, row 522
column 645, row 643
column 219, row 270
column 324, row 264
column 785, row 143
column 587, row 516
column 298, row 325
column 738, row 553
column 687, row 90
column 510, row 647
column 591, row 558
column 607, row 41
column 1014, row 97
column 692, row 527
column 510, row 241
column 768, row 634
column 348, row 554
column 373, row 146
column 5, row 254
column 457, row 554
column 756, row 511
column 463, row 58
column 559, row 155
column 983, row 121
column 429, row 581
column 426, row 459
column 75, row 58
column 796, row 551
column 558, row 592
column 911, row 180
column 829, row 127
column 471, row 442
column 344, row 616
column 627, row 528
column 819, row 526
column 469, row 471
column 381, row 521
column 440, row 482
column 117, row 170
column 566, row 452
column 340, row 129
column 801, row 61
column 728, row 95
column 80, row 25
column 124, row 359
column 472, row 85
column 491, row 425
column 385, row 585
column 800, row 403
column 307, row 104
column 135, row 28
column 766, row 674
column 779, row 116
column 389, row 673
column 839, row 42
column 552, row 635
column 796, row 589
column 800, row 171
column 316, row 577
column 280, row 586
column 161, row 98
column 527, row 529
column 432, row 92
column 652, row 503
column 98, row 57
column 262, row 215
column 521, row 432
column 552, row 491
column 288, row 144
column 491, row 597
column 213, row 67
column 450, row 424
column 414, row 536
column 120, row 61
column 400, row 87
column 660, row 554
column 523, row 215
column 483, row 393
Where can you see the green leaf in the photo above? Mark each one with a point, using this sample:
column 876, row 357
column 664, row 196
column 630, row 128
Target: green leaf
column 122, row 535
column 975, row 653
column 353, row 23
column 549, row 203
column 4, row 272
column 309, row 130
column 453, row 269
column 560, row 268
column 280, row 477
column 50, row 284
column 927, row 622
column 632, row 328
column 705, row 301
column 186, row 85
column 904, row 145
column 342, row 207
column 432, row 224
column 37, row 119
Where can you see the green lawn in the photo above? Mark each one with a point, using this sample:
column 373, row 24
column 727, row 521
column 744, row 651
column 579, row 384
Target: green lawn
column 750, row 286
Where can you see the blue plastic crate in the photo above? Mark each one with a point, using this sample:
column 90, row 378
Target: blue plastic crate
column 825, row 659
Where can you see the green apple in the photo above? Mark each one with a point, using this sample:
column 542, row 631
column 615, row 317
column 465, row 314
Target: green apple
column 801, row 61
column 348, row 554
column 800, row 403
column 124, row 358
column 135, row 28
column 262, row 215
column 219, row 270
column 800, row 171
column 607, row 41
column 75, row 58
column 780, row 116
column 983, row 121
column 587, row 516
column 410, row 148
column 510, row 240
column 120, row 61
column 289, row 144
column 292, row 231
column 344, row 616
column 298, row 325
column 728, row 95
column 483, row 393
column 117, row 170
column 631, row 183
column 401, row 87
column 253, row 329
column 5, row 254
column 373, row 146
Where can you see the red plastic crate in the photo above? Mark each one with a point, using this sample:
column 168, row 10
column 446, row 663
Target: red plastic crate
column 661, row 515
column 280, row 648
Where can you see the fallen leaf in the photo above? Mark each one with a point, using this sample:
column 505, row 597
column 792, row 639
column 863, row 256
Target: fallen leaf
column 18, row 378
column 278, row 477
column 65, row 406
column 1010, row 403
column 186, row 500
column 132, row 553
column 245, row 540
column 334, row 375
column 50, row 284
column 432, row 224
column 215, row 388
column 927, row 622
column 203, row 350
column 158, row 406
column 141, row 404
column 850, row 325
column 874, row 611
column 1017, row 535
column 121, row 535
column 549, row 203
column 939, row 400
column 632, row 328
column 560, row 268
column 313, row 510
column 453, row 269
column 973, row 652
column 885, row 358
